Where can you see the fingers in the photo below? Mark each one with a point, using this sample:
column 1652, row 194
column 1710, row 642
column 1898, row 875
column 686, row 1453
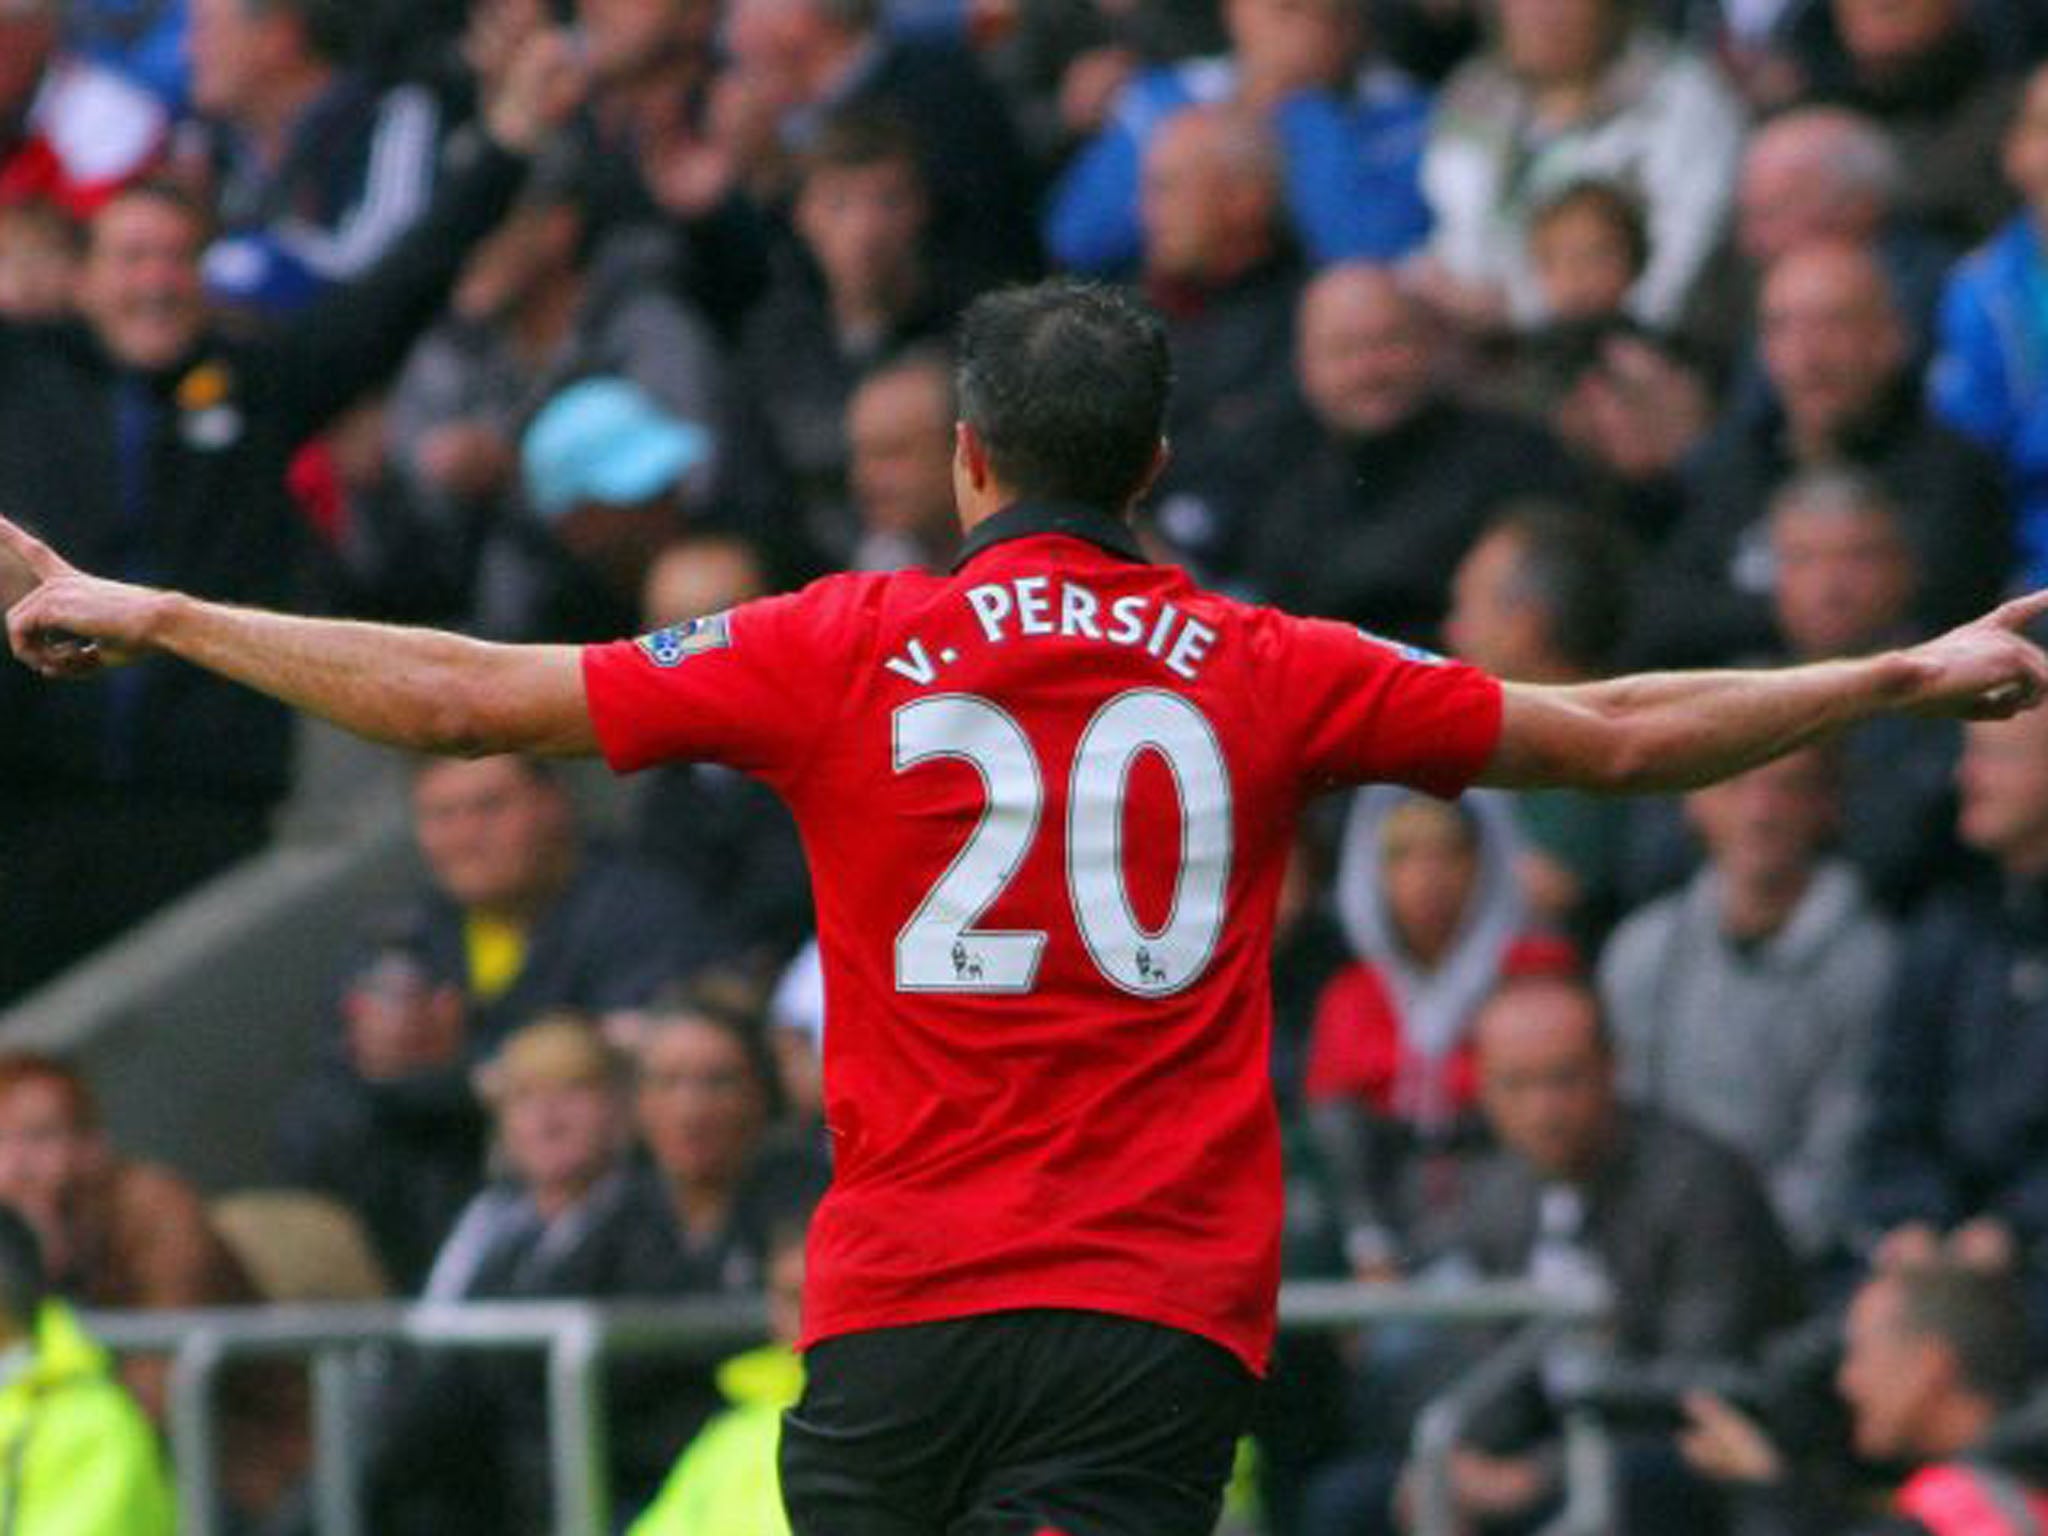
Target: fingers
column 43, row 562
column 2022, row 610
column 45, row 647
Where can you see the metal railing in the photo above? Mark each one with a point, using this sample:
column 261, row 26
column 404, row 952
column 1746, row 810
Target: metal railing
column 576, row 1338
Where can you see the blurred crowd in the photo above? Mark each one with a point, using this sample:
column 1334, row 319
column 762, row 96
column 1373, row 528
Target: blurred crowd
column 1565, row 336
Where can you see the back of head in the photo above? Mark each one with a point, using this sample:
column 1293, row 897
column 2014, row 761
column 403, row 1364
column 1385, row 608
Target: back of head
column 1066, row 383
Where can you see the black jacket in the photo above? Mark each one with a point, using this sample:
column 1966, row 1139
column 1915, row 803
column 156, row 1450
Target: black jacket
column 1370, row 530
column 1708, row 598
column 207, row 510
column 621, row 931
column 1959, row 1091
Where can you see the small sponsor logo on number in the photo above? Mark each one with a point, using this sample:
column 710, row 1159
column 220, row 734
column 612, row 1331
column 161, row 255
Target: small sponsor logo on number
column 675, row 645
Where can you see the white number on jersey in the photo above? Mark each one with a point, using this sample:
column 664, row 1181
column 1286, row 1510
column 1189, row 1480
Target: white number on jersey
column 940, row 950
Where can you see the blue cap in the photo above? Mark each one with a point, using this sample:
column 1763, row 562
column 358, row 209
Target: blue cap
column 606, row 440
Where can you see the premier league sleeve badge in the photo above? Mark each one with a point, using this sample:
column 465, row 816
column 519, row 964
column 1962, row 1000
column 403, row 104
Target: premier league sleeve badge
column 673, row 646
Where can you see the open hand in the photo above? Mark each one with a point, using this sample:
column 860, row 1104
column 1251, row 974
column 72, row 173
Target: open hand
column 62, row 623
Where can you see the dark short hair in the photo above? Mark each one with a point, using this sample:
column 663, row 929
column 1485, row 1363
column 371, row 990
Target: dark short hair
column 1980, row 1316
column 1065, row 383
column 728, row 1002
column 1608, row 200
column 23, row 1284
column 855, row 138
column 1578, row 568
column 329, row 26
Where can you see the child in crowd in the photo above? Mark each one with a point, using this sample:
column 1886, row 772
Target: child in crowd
column 1589, row 247
column 1429, row 901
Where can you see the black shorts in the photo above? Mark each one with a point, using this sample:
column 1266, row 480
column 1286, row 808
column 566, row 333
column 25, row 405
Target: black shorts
column 1014, row 1424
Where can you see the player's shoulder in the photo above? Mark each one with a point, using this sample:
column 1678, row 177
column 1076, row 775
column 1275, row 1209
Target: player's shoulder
column 1279, row 635
column 843, row 598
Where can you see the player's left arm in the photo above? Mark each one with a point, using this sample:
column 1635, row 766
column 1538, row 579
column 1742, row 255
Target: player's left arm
column 416, row 688
column 1679, row 730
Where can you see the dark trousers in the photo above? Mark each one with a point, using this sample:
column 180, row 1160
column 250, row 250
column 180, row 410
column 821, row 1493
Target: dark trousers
column 1015, row 1424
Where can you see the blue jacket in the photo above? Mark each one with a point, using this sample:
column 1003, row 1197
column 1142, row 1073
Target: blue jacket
column 1352, row 164
column 1990, row 377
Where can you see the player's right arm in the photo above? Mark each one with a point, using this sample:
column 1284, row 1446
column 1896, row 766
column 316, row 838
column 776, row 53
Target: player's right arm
column 1679, row 730
column 416, row 688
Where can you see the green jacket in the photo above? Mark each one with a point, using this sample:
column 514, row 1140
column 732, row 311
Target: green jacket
column 725, row 1483
column 77, row 1457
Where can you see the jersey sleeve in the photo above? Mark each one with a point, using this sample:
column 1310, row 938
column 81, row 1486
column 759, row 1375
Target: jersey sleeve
column 749, row 688
column 1368, row 710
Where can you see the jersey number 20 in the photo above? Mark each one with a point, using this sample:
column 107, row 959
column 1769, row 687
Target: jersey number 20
column 940, row 949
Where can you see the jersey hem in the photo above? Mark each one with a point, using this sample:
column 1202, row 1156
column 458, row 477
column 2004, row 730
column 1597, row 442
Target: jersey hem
column 1254, row 1353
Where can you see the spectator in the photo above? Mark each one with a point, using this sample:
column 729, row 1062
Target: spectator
column 531, row 314
column 86, row 1462
column 1844, row 581
column 1842, row 391
column 40, row 250
column 1583, row 1185
column 1433, row 917
column 315, row 170
column 720, row 830
column 1542, row 597
column 1575, row 91
column 802, row 59
column 1942, row 91
column 707, row 1104
column 1959, row 1114
column 1349, row 131
column 1990, row 379
column 726, row 1480
column 1746, row 1004
column 1220, row 269
column 190, row 435
column 611, row 477
column 558, row 1096
column 1369, row 519
column 899, row 426
column 669, row 139
column 1814, row 174
column 1934, row 1361
column 72, row 132
column 388, row 1123
column 1843, row 572
column 1065, row 62
column 125, row 1235
column 464, row 1441
column 856, row 288
column 525, row 915
column 1588, row 250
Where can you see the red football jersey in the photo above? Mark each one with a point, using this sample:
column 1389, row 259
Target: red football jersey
column 1047, row 802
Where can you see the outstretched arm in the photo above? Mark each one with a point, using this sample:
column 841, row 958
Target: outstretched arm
column 416, row 688
column 1679, row 730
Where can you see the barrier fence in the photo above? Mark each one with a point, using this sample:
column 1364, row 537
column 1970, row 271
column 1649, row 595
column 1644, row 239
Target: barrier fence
column 576, row 1338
